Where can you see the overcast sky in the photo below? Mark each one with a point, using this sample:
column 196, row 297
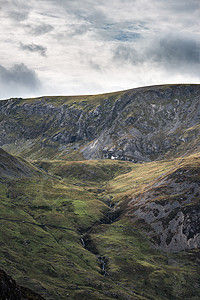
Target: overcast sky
column 69, row 47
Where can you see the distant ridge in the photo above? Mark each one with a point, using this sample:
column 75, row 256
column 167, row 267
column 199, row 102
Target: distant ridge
column 139, row 125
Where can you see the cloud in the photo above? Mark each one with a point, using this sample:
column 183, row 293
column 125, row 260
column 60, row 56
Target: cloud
column 79, row 29
column 41, row 29
column 176, row 52
column 18, row 15
column 18, row 80
column 94, row 65
column 102, row 45
column 180, row 6
column 34, row 48
column 18, row 10
column 126, row 54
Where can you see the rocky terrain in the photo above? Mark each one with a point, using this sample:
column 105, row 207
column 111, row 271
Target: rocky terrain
column 99, row 195
column 170, row 207
column 11, row 291
column 137, row 125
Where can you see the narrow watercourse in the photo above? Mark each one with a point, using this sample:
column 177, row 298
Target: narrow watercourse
column 110, row 216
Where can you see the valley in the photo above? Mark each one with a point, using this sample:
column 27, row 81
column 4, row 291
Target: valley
column 100, row 194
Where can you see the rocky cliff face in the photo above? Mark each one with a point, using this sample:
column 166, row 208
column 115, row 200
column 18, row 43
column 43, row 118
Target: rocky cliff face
column 92, row 229
column 169, row 209
column 137, row 125
column 10, row 290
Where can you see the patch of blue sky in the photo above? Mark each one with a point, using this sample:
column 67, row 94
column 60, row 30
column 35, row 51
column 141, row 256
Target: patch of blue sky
column 108, row 26
column 127, row 36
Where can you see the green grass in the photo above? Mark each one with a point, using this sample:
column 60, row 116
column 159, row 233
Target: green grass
column 133, row 263
column 81, row 101
column 43, row 218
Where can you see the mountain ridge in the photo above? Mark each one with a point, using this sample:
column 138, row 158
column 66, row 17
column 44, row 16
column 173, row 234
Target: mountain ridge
column 139, row 125
column 100, row 194
column 107, row 93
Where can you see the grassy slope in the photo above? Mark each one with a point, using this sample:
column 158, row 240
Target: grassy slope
column 131, row 261
column 42, row 219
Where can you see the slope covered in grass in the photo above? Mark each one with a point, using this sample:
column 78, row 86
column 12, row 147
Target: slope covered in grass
column 71, row 233
column 15, row 167
column 102, row 199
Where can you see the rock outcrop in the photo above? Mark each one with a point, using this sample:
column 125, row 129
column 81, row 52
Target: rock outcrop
column 169, row 210
column 142, row 124
column 10, row 290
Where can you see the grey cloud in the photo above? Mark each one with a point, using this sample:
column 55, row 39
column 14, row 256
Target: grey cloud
column 95, row 66
column 18, row 10
column 34, row 48
column 117, row 27
column 102, row 27
column 18, row 16
column 90, row 16
column 18, row 80
column 93, row 18
column 79, row 8
column 41, row 29
column 73, row 31
column 175, row 52
column 126, row 53
column 180, row 6
column 79, row 29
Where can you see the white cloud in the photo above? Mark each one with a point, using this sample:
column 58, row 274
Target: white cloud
column 100, row 46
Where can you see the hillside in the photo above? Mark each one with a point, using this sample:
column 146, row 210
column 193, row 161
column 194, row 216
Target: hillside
column 15, row 167
column 10, row 290
column 138, row 125
column 103, row 201
column 169, row 207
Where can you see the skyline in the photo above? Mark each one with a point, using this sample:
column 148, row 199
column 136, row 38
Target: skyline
column 59, row 47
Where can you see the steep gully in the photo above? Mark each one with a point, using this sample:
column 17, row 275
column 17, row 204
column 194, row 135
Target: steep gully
column 110, row 216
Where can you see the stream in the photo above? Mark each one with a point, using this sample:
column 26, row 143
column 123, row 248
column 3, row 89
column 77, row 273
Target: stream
column 87, row 243
column 110, row 216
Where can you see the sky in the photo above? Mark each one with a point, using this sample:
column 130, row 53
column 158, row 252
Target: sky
column 73, row 47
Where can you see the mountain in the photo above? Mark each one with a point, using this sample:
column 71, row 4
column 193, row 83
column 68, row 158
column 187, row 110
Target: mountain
column 139, row 125
column 100, row 194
